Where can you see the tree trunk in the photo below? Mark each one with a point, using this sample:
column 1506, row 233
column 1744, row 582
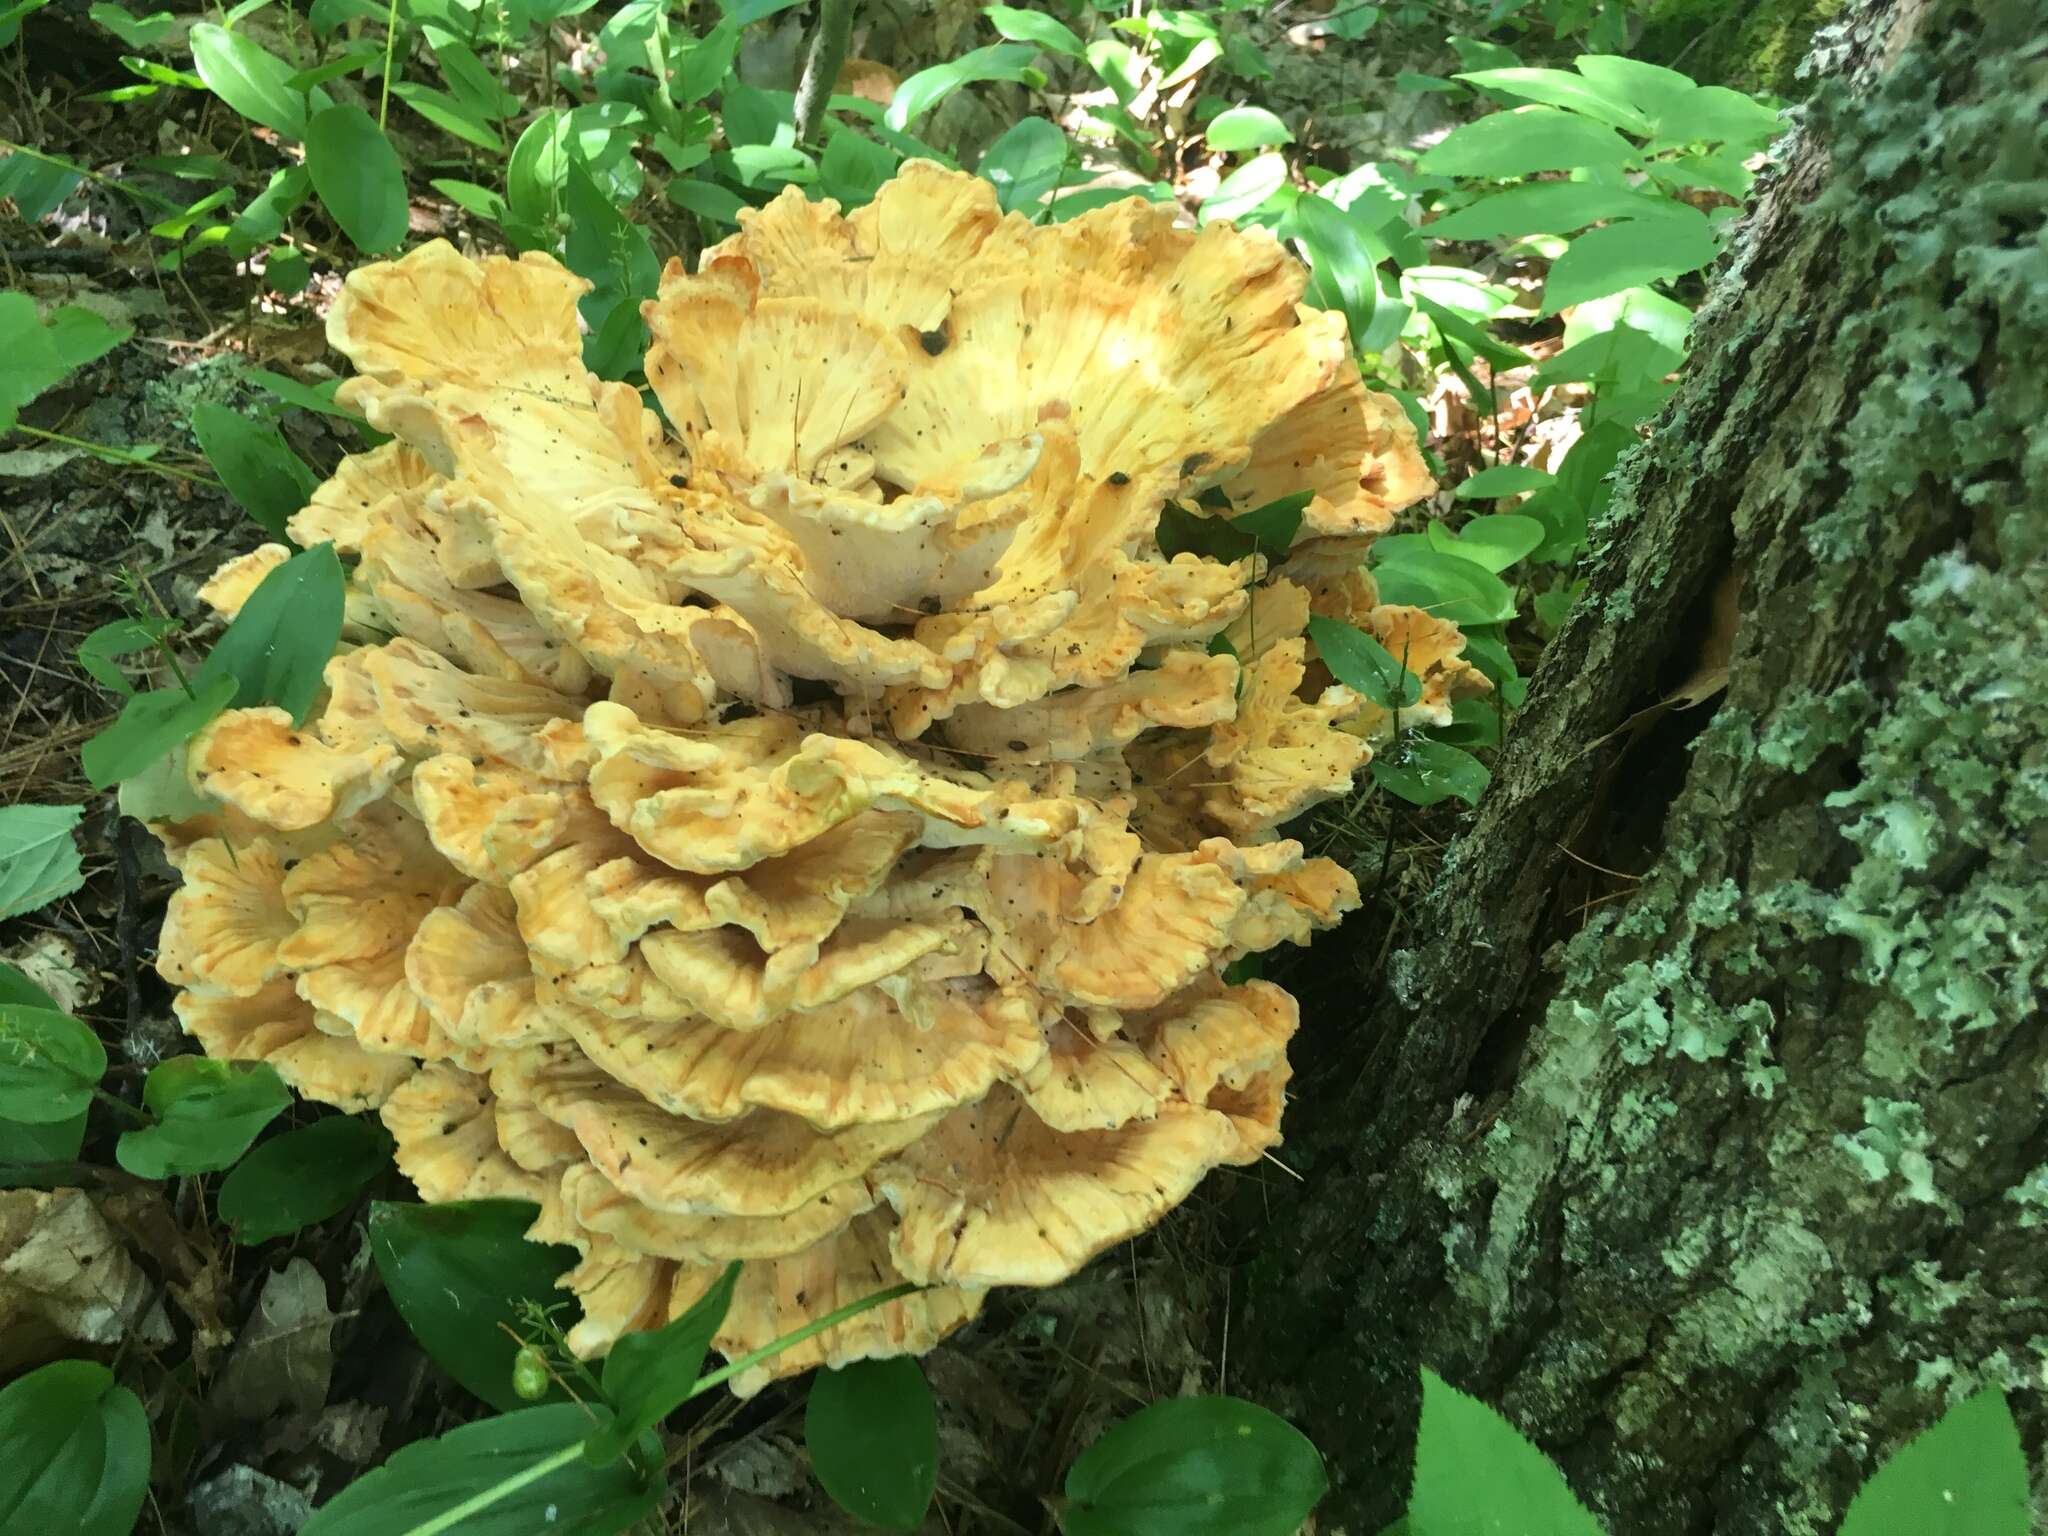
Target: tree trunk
column 1725, row 1187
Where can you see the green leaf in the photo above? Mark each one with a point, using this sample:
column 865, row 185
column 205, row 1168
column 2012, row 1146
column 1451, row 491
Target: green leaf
column 1525, row 141
column 122, row 637
column 617, row 257
column 1195, row 1466
column 470, row 78
column 17, row 990
column 256, row 465
column 1243, row 128
column 535, row 177
column 1467, row 337
column 647, row 1375
column 1423, row 771
column 1629, row 254
column 150, row 725
column 449, row 115
column 1541, row 208
column 1715, row 114
column 77, row 1457
column 703, row 67
column 1273, row 526
column 358, row 176
column 49, row 1064
column 282, row 639
column 471, row 198
column 40, row 353
column 334, row 68
column 1270, row 528
column 1561, row 88
column 707, row 199
column 1026, row 163
column 928, row 87
column 207, row 1114
column 457, row 1272
column 1966, row 1476
column 58, row 1141
column 1247, row 189
column 1649, row 88
column 37, row 187
column 264, row 219
column 1362, row 664
column 1442, row 584
column 135, row 31
column 1504, row 480
column 318, row 398
column 38, row 859
column 873, row 1436
column 430, row 1477
column 1474, row 723
column 854, row 166
column 1341, row 262
column 1475, row 1473
column 302, row 1176
column 254, row 82
column 1048, row 32
column 1492, row 543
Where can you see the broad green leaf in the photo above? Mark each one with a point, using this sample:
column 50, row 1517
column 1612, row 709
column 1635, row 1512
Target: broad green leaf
column 1468, row 338
column 1248, row 188
column 1119, row 66
column 1425, row 771
column 98, row 651
column 1195, row 1466
column 1715, row 114
column 703, row 67
column 1649, row 88
column 58, row 1141
column 36, row 186
column 457, row 1272
column 1245, row 128
column 1561, row 88
column 180, row 224
column 286, row 270
column 853, row 167
column 615, row 254
column 1358, row 661
column 77, row 1457
column 753, row 116
column 1541, row 208
column 41, row 352
column 430, row 1477
column 135, row 31
column 1270, row 528
column 1071, row 205
column 1048, row 32
column 1491, row 543
column 1341, row 262
column 1525, row 141
column 207, row 1112
column 49, row 1064
column 256, row 465
column 1966, row 1476
column 253, row 81
column 358, row 176
column 16, row 989
column 282, row 639
column 302, row 1176
column 873, row 1436
column 1628, row 254
column 1475, row 1473
column 449, row 115
column 150, row 725
column 38, row 858
column 928, row 87
column 648, row 1375
column 471, row 198
column 264, row 219
column 334, row 68
column 318, row 398
column 1474, row 723
column 1026, row 163
column 707, row 199
column 1504, row 480
column 1274, row 525
column 1443, row 585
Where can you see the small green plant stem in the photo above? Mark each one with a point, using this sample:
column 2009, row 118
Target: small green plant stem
column 117, row 455
column 449, row 1518
column 390, row 44
column 139, row 1116
column 829, row 1320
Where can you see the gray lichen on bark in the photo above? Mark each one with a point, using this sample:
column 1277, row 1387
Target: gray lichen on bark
column 1761, row 1189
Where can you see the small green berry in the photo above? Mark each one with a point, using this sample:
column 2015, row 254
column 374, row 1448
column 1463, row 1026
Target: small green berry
column 530, row 1374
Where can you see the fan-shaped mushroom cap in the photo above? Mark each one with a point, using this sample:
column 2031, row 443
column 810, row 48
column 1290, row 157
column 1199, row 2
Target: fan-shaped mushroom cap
column 817, row 841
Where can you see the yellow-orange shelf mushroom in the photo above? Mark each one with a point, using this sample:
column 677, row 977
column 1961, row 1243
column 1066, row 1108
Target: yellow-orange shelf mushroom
column 812, row 832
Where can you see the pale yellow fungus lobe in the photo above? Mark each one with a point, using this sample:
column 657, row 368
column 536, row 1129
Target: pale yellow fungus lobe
column 815, row 837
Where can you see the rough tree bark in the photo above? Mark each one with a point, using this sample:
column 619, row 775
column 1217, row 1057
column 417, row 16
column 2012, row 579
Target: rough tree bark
column 1725, row 1188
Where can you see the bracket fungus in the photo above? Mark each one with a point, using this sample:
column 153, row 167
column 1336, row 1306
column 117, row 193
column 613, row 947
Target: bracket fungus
column 812, row 830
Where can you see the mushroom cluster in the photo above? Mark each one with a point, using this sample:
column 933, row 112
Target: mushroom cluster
column 813, row 831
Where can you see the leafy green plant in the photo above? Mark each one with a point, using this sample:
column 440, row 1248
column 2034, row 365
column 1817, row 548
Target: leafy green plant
column 1195, row 1466
column 77, row 1452
column 302, row 1176
column 873, row 1436
column 39, row 860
